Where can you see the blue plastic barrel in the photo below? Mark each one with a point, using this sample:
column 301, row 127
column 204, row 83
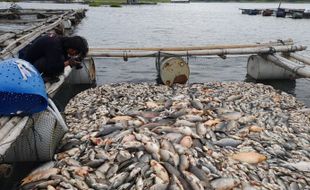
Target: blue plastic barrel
column 22, row 89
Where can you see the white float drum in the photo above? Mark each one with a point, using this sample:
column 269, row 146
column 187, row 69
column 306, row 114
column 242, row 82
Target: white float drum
column 262, row 69
column 85, row 75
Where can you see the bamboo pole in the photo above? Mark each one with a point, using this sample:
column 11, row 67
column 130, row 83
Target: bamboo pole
column 8, row 126
column 299, row 69
column 3, row 120
column 222, row 46
column 235, row 51
column 300, row 58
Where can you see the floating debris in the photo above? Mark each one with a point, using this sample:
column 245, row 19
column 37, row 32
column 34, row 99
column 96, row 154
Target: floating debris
column 197, row 136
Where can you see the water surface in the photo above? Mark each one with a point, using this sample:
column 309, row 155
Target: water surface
column 193, row 24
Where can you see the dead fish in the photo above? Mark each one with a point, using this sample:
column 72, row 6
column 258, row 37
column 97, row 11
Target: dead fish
column 221, row 127
column 301, row 166
column 108, row 129
column 167, row 145
column 255, row 128
column 133, row 173
column 184, row 163
column 151, row 147
column 70, row 144
column 173, row 137
column 228, row 142
column 231, row 116
column 171, row 169
column 196, row 104
column 249, row 157
column 201, row 175
column 158, row 186
column 123, row 155
column 192, row 118
column 160, row 171
column 247, row 186
column 94, row 163
column 193, row 180
column 201, row 129
column 186, row 141
column 164, row 155
column 150, row 125
column 121, row 118
column 174, row 184
column 112, row 171
column 104, row 167
column 40, row 175
column 168, row 103
column 224, row 183
column 119, row 179
column 294, row 186
column 246, row 119
column 149, row 114
column 125, row 186
column 182, row 122
column 234, row 97
column 178, row 114
column 212, row 122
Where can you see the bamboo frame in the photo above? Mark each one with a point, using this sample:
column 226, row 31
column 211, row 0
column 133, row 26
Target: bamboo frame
column 299, row 69
column 8, row 126
column 300, row 58
column 232, row 51
column 223, row 46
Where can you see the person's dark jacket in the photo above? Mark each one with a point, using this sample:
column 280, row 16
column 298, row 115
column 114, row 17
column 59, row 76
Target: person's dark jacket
column 47, row 54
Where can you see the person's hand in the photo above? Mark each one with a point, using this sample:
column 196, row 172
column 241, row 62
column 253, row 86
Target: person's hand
column 73, row 63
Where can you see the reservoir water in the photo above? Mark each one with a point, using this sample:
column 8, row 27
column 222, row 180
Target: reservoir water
column 193, row 24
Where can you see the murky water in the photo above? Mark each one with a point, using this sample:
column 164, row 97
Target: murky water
column 193, row 24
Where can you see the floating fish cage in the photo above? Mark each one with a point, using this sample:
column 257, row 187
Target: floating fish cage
column 272, row 60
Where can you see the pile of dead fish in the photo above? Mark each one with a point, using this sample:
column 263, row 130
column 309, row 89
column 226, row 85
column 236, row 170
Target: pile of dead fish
column 200, row 136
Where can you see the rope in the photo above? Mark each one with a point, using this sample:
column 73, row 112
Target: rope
column 187, row 57
column 272, row 50
column 125, row 57
column 298, row 67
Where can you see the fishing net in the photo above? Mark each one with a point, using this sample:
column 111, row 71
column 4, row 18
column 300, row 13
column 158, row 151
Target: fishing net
column 40, row 137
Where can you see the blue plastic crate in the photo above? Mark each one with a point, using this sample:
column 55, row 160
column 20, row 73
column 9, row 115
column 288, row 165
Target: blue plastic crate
column 22, row 90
